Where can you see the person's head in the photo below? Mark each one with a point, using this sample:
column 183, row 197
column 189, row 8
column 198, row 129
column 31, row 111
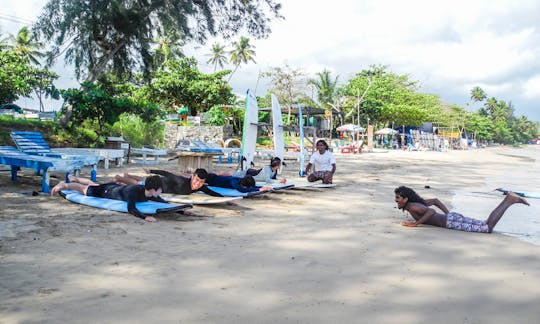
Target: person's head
column 405, row 195
column 322, row 146
column 275, row 164
column 247, row 182
column 153, row 186
column 198, row 178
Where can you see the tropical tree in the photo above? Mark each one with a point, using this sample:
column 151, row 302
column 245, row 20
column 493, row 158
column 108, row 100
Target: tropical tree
column 477, row 94
column 288, row 85
column 117, row 35
column 242, row 53
column 25, row 44
column 217, row 57
column 182, row 84
column 326, row 87
column 169, row 47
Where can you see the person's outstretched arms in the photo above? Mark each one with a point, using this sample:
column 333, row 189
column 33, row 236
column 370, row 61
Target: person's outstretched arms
column 436, row 202
column 421, row 213
column 209, row 191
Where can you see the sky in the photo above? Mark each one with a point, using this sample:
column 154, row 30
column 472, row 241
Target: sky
column 449, row 47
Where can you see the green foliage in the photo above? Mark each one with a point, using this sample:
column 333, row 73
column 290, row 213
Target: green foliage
column 17, row 76
column 215, row 116
column 182, row 84
column 119, row 34
column 94, row 104
column 140, row 133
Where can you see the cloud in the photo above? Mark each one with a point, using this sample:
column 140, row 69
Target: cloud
column 448, row 46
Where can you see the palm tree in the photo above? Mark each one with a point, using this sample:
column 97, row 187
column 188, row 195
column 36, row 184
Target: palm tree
column 169, row 47
column 243, row 52
column 326, row 87
column 217, row 57
column 477, row 94
column 25, row 45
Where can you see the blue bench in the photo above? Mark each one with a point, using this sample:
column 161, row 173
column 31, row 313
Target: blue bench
column 40, row 164
column 34, row 143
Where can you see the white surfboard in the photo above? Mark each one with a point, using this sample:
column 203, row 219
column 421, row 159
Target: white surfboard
column 249, row 134
column 277, row 127
column 198, row 199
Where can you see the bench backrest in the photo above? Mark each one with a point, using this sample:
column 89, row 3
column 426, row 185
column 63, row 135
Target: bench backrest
column 30, row 142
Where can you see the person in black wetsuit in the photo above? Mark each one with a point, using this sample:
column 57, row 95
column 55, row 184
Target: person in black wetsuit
column 173, row 183
column 245, row 184
column 130, row 193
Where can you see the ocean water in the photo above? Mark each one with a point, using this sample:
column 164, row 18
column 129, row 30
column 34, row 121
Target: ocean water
column 520, row 221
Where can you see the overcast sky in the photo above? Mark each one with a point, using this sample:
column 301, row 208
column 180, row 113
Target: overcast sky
column 448, row 46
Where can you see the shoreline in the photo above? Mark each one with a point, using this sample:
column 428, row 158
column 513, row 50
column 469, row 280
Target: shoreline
column 308, row 256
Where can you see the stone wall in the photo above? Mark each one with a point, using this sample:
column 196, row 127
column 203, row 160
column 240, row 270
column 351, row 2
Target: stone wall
column 209, row 134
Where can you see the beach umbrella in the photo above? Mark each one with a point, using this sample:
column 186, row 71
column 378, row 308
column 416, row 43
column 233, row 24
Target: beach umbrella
column 386, row 131
column 350, row 128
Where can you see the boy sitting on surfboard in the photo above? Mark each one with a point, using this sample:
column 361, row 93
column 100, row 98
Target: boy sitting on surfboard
column 131, row 194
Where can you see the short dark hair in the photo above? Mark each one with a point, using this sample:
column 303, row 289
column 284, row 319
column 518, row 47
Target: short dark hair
column 201, row 173
column 410, row 194
column 153, row 182
column 247, row 181
column 275, row 162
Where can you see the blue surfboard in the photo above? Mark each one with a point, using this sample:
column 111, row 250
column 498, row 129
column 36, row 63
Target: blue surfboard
column 147, row 207
column 228, row 192
column 526, row 194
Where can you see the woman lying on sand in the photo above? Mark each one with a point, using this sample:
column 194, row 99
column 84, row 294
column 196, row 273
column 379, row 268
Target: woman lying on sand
column 407, row 199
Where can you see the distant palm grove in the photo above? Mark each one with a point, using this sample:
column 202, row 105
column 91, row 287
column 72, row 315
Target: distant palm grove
column 129, row 59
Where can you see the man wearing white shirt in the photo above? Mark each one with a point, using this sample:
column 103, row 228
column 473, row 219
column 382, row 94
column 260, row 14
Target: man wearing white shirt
column 323, row 162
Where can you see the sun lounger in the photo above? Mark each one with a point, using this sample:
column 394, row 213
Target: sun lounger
column 40, row 164
column 34, row 143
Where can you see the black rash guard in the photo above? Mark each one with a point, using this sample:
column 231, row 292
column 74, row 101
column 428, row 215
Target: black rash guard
column 179, row 185
column 131, row 194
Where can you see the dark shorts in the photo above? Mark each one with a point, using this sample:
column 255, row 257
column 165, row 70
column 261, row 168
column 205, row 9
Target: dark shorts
column 95, row 191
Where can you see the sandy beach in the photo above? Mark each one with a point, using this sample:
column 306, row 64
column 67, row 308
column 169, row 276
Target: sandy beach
column 335, row 255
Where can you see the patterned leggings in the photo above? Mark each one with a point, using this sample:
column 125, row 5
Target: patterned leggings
column 461, row 223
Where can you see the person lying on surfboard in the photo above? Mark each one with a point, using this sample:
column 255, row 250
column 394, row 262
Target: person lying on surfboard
column 408, row 200
column 323, row 162
column 173, row 183
column 132, row 194
column 267, row 174
column 245, row 184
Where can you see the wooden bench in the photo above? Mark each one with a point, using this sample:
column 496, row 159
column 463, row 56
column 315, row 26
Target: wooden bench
column 40, row 164
column 148, row 152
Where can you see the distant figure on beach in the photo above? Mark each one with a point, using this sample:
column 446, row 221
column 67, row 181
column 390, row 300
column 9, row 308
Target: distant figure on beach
column 407, row 199
column 173, row 183
column 132, row 194
column 267, row 174
column 323, row 162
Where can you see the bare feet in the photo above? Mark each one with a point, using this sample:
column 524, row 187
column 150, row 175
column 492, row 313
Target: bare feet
column 513, row 198
column 73, row 178
column 61, row 185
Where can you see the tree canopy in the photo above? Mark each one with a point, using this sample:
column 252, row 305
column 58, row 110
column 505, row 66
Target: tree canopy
column 118, row 34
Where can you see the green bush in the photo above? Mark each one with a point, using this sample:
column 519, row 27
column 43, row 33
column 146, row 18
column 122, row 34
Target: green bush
column 133, row 129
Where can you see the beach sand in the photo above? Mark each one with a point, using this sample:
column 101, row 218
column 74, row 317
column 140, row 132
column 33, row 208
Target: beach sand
column 334, row 255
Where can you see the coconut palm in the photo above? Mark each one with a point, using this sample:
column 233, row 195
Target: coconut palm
column 243, row 52
column 326, row 87
column 25, row 45
column 477, row 94
column 217, row 57
column 169, row 47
